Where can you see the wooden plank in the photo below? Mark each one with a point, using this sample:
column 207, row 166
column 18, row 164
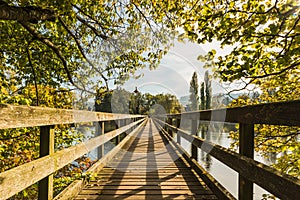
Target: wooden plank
column 93, row 188
column 280, row 184
column 142, row 196
column 143, row 190
column 73, row 190
column 142, row 177
column 279, row 113
column 134, row 182
column 28, row 116
column 19, row 178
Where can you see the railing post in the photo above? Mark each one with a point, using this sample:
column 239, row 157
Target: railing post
column 246, row 148
column 118, row 125
column 170, row 122
column 127, row 122
column 45, row 186
column 178, row 136
column 100, row 126
column 194, row 149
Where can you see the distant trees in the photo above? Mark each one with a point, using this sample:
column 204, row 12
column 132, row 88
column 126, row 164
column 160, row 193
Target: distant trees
column 123, row 101
column 205, row 92
column 194, row 92
column 208, row 90
column 168, row 101
column 202, row 96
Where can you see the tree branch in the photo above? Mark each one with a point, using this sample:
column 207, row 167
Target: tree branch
column 82, row 51
column 276, row 73
column 240, row 89
column 282, row 136
column 34, row 75
column 32, row 14
column 47, row 42
column 104, row 37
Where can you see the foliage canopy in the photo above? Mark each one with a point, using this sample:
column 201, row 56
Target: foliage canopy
column 80, row 44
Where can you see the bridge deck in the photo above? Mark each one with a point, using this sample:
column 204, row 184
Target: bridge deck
column 147, row 167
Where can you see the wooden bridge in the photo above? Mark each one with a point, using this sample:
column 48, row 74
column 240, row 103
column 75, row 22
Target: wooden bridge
column 149, row 162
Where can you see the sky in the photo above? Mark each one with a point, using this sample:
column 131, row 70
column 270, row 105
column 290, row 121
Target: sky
column 174, row 73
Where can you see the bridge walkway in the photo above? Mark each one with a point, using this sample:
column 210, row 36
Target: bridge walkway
column 147, row 167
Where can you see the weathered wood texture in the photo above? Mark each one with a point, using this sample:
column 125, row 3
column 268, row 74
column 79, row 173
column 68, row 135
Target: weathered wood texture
column 147, row 167
column 28, row 116
column 281, row 113
column 19, row 178
column 281, row 185
column 73, row 190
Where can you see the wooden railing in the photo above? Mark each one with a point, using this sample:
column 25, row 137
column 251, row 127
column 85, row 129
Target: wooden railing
column 250, row 171
column 17, row 179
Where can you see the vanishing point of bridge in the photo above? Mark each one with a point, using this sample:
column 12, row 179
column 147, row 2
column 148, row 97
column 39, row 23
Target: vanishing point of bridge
column 148, row 161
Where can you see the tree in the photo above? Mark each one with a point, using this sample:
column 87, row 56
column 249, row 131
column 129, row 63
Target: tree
column 263, row 35
column 169, row 102
column 103, row 100
column 194, row 92
column 208, row 90
column 80, row 44
column 202, row 96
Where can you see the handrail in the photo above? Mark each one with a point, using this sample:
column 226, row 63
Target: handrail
column 16, row 179
column 12, row 116
column 279, row 113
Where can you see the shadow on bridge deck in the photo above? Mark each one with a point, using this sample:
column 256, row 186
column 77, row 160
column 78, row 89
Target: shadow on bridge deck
column 147, row 167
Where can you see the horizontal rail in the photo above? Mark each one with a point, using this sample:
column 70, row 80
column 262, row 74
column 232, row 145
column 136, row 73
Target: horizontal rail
column 281, row 185
column 28, row 116
column 279, row 113
column 16, row 179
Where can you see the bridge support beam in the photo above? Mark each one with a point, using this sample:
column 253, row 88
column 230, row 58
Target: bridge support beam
column 194, row 149
column 118, row 125
column 170, row 132
column 178, row 136
column 246, row 148
column 45, row 186
column 100, row 130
